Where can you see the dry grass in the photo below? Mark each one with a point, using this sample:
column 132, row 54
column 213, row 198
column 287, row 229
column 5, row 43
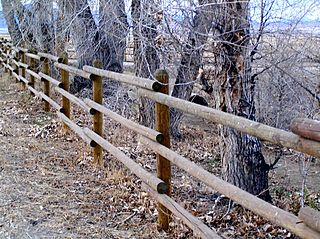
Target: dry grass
column 49, row 188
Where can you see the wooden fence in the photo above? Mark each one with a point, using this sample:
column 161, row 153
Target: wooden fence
column 21, row 64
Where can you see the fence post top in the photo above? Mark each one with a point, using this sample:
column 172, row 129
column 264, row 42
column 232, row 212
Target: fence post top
column 97, row 63
column 64, row 57
column 161, row 72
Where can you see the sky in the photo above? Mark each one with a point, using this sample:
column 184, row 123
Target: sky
column 282, row 9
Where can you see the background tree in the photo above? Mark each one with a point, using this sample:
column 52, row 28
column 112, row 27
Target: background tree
column 191, row 58
column 94, row 40
column 146, row 57
column 264, row 58
column 13, row 26
column 234, row 90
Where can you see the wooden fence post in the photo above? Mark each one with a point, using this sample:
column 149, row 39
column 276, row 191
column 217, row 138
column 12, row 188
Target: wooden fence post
column 32, row 64
column 9, row 60
column 162, row 116
column 97, row 116
column 6, row 69
column 66, row 86
column 23, row 70
column 46, row 83
column 17, row 71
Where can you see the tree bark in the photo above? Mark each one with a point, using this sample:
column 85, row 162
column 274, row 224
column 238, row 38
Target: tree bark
column 146, row 57
column 191, row 60
column 243, row 162
column 24, row 16
column 85, row 37
column 13, row 26
column 42, row 25
column 91, row 40
column 62, row 29
column 113, row 26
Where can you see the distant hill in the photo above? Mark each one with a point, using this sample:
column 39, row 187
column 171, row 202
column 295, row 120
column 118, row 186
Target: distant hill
column 311, row 26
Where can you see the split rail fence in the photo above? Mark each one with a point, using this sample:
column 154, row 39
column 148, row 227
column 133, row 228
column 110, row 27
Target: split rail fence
column 21, row 64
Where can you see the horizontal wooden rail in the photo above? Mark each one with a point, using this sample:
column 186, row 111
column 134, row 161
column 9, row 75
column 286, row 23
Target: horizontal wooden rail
column 34, row 74
column 148, row 178
column 73, row 62
column 34, row 56
column 54, row 104
column 16, row 63
column 24, row 80
column 142, row 130
column 131, row 80
column 73, row 99
column 24, row 65
column 310, row 217
column 306, row 128
column 247, row 200
column 74, row 70
column 53, row 81
column 76, row 128
column 274, row 135
column 10, row 68
column 16, row 76
column 50, row 57
column 15, row 49
column 198, row 227
column 153, row 140
column 23, row 49
column 34, row 91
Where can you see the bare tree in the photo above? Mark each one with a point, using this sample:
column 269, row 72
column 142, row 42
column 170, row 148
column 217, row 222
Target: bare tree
column 234, row 89
column 113, row 26
column 146, row 57
column 191, row 58
column 13, row 26
column 24, row 16
column 93, row 41
column 42, row 25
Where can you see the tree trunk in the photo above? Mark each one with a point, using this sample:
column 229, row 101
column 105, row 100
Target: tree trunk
column 42, row 25
column 146, row 57
column 91, row 41
column 62, row 31
column 243, row 162
column 113, row 26
column 12, row 24
column 191, row 60
column 85, row 38
column 24, row 16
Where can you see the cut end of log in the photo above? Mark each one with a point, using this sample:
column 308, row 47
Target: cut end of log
column 93, row 144
column 156, row 86
column 160, row 138
column 162, row 188
column 93, row 111
column 306, row 128
column 310, row 217
column 93, row 77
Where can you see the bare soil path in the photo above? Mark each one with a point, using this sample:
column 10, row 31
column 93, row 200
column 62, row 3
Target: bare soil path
column 48, row 188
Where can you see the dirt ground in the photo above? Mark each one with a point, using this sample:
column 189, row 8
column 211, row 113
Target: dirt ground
column 49, row 188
